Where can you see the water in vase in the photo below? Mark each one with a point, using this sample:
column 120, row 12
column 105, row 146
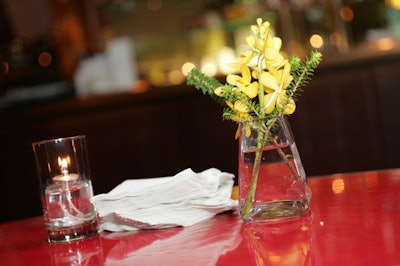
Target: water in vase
column 281, row 190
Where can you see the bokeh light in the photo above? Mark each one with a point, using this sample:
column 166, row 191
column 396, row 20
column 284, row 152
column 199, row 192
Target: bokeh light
column 335, row 38
column 346, row 13
column 187, row 67
column 45, row 59
column 4, row 68
column 175, row 77
column 316, row 41
column 338, row 185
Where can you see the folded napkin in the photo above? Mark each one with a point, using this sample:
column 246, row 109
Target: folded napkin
column 181, row 200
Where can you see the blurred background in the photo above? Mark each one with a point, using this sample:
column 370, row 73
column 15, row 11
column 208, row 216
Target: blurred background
column 114, row 70
column 46, row 41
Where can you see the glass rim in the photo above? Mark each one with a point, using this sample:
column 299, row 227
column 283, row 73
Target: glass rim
column 55, row 140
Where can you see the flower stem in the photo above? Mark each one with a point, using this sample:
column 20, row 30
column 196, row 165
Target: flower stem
column 285, row 159
column 261, row 139
column 254, row 177
column 260, row 142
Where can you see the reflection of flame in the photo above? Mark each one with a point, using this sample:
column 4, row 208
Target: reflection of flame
column 283, row 243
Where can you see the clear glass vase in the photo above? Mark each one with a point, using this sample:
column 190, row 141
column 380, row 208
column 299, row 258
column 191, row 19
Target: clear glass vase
column 272, row 180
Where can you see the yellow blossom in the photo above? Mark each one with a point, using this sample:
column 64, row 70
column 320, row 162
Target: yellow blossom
column 272, row 55
column 261, row 28
column 261, row 31
column 250, row 41
column 286, row 105
column 245, row 58
column 275, row 84
column 240, row 109
column 219, row 92
column 243, row 82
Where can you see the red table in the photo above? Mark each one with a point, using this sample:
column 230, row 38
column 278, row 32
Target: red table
column 354, row 220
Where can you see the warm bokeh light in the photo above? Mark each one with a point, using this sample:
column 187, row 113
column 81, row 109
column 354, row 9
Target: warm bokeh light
column 176, row 77
column 393, row 3
column 346, row 13
column 335, row 38
column 226, row 55
column 338, row 185
column 154, row 5
column 208, row 66
column 157, row 78
column 187, row 67
column 386, row 44
column 316, row 41
column 45, row 59
column 4, row 68
column 209, row 69
column 275, row 258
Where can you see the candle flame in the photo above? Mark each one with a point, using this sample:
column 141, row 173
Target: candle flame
column 63, row 163
column 65, row 176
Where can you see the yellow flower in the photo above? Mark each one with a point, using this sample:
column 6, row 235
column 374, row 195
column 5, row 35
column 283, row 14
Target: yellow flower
column 261, row 34
column 245, row 58
column 243, row 82
column 250, row 41
column 219, row 91
column 272, row 55
column 275, row 84
column 240, row 107
column 286, row 105
column 261, row 29
column 241, row 111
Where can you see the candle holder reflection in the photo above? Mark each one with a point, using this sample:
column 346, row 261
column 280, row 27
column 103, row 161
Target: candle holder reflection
column 66, row 189
column 83, row 252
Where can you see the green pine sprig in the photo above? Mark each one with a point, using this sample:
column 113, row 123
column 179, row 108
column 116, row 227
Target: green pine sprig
column 208, row 85
column 204, row 83
column 302, row 72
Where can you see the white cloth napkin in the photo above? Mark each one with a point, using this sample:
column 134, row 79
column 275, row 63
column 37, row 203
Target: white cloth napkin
column 181, row 200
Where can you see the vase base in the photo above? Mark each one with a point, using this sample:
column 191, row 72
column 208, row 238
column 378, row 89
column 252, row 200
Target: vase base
column 277, row 210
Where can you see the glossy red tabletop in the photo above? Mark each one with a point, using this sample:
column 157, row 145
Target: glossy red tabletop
column 354, row 220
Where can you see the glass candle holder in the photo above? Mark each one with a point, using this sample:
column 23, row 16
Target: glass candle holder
column 65, row 188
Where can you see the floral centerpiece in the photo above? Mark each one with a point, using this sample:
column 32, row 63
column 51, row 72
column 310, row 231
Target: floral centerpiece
column 259, row 94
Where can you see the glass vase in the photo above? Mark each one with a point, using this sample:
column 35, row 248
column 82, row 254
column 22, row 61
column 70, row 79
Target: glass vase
column 272, row 180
